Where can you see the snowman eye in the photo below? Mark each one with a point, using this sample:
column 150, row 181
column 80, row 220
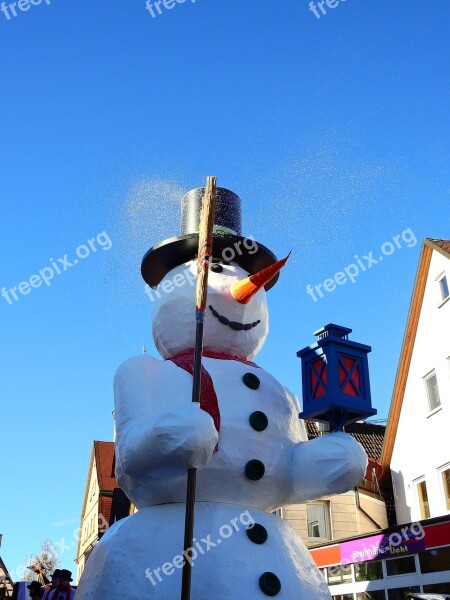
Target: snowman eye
column 216, row 268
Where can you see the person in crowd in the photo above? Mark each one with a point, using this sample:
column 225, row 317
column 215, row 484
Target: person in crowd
column 54, row 580
column 35, row 590
column 61, row 588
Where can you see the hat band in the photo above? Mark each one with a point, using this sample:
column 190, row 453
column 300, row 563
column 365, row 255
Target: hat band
column 222, row 230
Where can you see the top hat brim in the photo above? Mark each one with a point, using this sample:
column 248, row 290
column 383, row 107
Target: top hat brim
column 62, row 574
column 175, row 251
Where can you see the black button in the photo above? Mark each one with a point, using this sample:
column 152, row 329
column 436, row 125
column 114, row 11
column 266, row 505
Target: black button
column 255, row 470
column 258, row 421
column 257, row 534
column 269, row 584
column 251, row 381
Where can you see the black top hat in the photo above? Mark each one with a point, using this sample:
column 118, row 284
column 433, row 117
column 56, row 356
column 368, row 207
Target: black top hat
column 34, row 585
column 170, row 253
column 56, row 573
column 65, row 574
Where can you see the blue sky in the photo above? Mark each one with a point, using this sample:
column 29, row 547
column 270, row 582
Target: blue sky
column 334, row 132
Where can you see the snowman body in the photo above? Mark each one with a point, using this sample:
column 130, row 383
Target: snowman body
column 256, row 461
column 140, row 557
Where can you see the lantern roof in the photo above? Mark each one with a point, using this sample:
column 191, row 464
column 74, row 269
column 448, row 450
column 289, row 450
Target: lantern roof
column 333, row 330
column 333, row 334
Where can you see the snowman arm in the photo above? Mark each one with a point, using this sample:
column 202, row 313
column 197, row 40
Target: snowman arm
column 167, row 444
column 158, row 435
column 331, row 464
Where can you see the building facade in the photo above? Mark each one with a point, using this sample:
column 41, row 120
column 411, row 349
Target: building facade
column 104, row 502
column 413, row 555
column 417, row 446
column 358, row 511
column 6, row 583
column 390, row 564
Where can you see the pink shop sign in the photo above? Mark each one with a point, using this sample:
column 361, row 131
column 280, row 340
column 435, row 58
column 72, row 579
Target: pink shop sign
column 380, row 546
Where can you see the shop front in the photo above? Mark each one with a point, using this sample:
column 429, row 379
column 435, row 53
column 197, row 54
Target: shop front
column 390, row 564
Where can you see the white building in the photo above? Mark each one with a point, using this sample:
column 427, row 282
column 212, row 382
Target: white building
column 417, row 440
column 414, row 556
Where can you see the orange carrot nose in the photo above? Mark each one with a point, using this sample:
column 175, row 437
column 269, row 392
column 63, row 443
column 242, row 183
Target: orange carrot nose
column 243, row 291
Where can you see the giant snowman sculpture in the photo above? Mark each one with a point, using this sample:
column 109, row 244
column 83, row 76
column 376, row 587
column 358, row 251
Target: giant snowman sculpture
column 245, row 438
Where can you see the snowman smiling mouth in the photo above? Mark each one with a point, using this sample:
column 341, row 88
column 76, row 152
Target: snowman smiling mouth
column 233, row 324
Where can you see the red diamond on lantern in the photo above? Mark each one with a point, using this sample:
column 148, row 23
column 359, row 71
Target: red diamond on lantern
column 349, row 378
column 318, row 378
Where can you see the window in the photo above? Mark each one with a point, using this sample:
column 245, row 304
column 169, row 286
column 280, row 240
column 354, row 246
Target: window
column 318, row 516
column 343, row 597
column 431, row 385
column 422, row 494
column 402, row 593
column 437, row 588
column 443, row 288
column 379, row 595
column 401, row 566
column 339, row 574
column 445, row 475
column 369, row 571
column 432, row 561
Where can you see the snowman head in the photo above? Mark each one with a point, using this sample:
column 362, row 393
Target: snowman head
column 237, row 320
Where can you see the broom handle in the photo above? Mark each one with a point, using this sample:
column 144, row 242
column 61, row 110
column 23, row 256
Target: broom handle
column 204, row 254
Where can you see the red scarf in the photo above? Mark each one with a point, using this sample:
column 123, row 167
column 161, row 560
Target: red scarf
column 57, row 592
column 208, row 396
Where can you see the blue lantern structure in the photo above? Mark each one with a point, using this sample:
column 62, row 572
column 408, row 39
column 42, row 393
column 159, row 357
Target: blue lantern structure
column 335, row 377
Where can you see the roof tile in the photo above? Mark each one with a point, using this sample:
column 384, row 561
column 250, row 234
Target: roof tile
column 104, row 458
column 369, row 435
column 444, row 244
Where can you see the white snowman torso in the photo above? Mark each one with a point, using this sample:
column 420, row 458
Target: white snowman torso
column 258, row 422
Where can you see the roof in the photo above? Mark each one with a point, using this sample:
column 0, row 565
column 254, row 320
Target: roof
column 429, row 244
column 105, row 508
column 104, row 460
column 369, row 435
column 439, row 245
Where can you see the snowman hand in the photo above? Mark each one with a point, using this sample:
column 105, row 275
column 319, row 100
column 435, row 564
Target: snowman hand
column 332, row 464
column 173, row 441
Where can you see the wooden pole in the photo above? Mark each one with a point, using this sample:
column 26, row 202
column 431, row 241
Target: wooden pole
column 205, row 236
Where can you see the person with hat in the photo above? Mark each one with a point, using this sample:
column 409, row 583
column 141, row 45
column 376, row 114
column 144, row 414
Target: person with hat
column 61, row 588
column 35, row 590
column 54, row 580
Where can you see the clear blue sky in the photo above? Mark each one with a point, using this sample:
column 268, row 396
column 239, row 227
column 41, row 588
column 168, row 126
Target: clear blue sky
column 333, row 131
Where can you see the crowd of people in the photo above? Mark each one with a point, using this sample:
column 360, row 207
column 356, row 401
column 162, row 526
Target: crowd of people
column 58, row 589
